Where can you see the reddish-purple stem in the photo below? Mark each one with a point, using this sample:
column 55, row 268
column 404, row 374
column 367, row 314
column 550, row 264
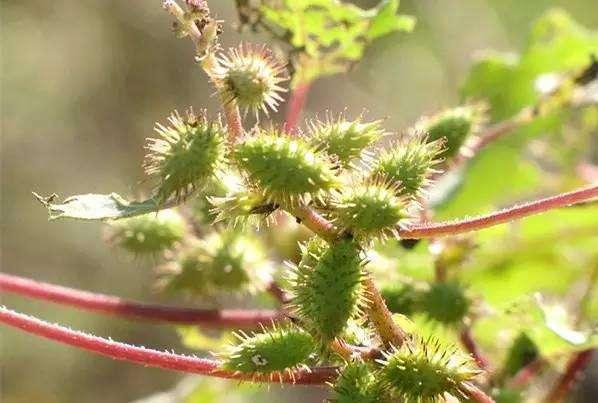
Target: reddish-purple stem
column 430, row 230
column 471, row 346
column 295, row 106
column 477, row 395
column 525, row 375
column 226, row 318
column 575, row 367
column 154, row 358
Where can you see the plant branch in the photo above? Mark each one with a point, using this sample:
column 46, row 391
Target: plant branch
column 315, row 222
column 295, row 105
column 381, row 317
column 477, row 395
column 574, row 368
column 154, row 358
column 472, row 347
column 431, row 230
column 226, row 318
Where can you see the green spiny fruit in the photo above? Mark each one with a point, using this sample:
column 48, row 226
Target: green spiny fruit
column 271, row 352
column 409, row 162
column 227, row 261
column 327, row 286
column 285, row 169
column 344, row 139
column 250, row 76
column 401, row 298
column 370, row 209
column 446, row 302
column 186, row 155
column 522, row 352
column 454, row 126
column 242, row 207
column 424, row 370
column 357, row 383
column 149, row 233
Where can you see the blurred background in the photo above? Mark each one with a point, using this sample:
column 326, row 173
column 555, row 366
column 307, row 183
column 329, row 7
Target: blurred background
column 82, row 84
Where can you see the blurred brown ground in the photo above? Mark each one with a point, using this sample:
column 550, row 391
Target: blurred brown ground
column 82, row 84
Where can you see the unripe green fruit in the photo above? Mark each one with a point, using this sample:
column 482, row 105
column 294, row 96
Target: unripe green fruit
column 424, row 370
column 250, row 76
column 371, row 209
column 522, row 352
column 185, row 156
column 409, row 162
column 446, row 302
column 222, row 262
column 327, row 286
column 284, row 169
column 453, row 126
column 149, row 233
column 357, row 383
column 242, row 207
column 270, row 352
column 401, row 298
column 344, row 139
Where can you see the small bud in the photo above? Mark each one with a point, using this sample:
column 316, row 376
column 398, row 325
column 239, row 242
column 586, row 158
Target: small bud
column 453, row 126
column 284, row 169
column 250, row 76
column 370, row 210
column 424, row 370
column 446, row 302
column 149, row 233
column 409, row 162
column 357, row 383
column 344, row 139
column 270, row 352
column 222, row 262
column 327, row 286
column 185, row 156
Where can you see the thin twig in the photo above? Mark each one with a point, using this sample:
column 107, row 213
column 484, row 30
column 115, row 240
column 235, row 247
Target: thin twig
column 472, row 347
column 226, row 318
column 315, row 222
column 430, row 230
column 575, row 367
column 295, row 106
column 154, row 358
column 381, row 317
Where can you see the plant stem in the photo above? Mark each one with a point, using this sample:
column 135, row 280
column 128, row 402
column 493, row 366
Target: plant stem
column 315, row 222
column 154, row 358
column 575, row 367
column 381, row 317
column 472, row 347
column 234, row 124
column 477, row 395
column 527, row 373
column 226, row 318
column 418, row 231
column 295, row 105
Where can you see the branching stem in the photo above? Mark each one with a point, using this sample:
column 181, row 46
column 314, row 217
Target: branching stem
column 226, row 318
column 295, row 106
column 154, row 358
column 510, row 214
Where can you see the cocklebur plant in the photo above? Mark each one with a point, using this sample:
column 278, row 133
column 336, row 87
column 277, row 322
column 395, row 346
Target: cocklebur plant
column 358, row 188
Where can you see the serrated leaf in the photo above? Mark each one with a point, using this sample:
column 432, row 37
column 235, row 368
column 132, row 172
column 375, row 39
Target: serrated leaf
column 97, row 207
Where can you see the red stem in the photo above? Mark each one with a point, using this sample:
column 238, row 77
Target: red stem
column 226, row 318
column 473, row 349
column 295, row 105
column 574, row 368
column 451, row 228
column 525, row 375
column 477, row 395
column 154, row 358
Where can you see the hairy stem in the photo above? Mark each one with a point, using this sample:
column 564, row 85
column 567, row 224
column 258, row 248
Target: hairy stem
column 226, row 318
column 234, row 124
column 574, row 368
column 295, row 106
column 381, row 317
column 472, row 347
column 154, row 358
column 315, row 222
column 418, row 231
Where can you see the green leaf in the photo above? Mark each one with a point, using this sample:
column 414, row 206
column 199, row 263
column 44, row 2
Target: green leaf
column 97, row 207
column 329, row 34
